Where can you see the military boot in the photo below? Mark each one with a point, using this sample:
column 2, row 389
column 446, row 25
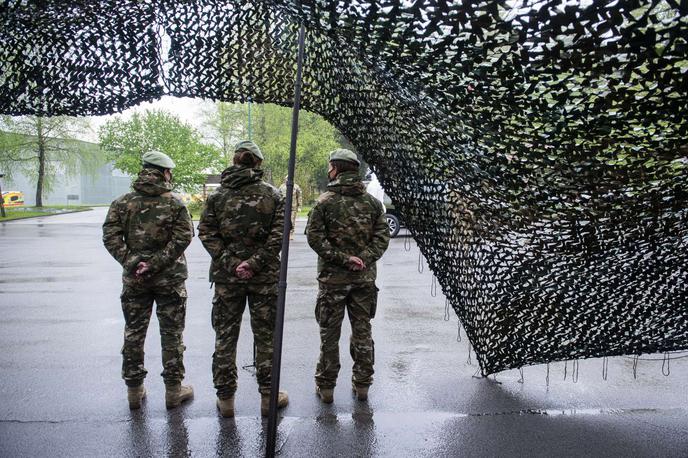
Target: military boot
column 361, row 391
column 176, row 394
column 326, row 394
column 135, row 395
column 226, row 407
column 282, row 401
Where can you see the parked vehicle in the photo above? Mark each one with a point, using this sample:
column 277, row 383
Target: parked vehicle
column 393, row 217
column 394, row 220
column 13, row 199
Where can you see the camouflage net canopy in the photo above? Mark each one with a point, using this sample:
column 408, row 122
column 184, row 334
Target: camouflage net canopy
column 536, row 148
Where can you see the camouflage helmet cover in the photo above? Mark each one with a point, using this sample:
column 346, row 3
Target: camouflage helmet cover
column 344, row 155
column 158, row 159
column 249, row 146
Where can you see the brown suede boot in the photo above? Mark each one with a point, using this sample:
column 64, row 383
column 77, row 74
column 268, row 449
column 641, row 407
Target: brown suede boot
column 361, row 392
column 135, row 395
column 176, row 394
column 226, row 407
column 282, row 401
column 326, row 394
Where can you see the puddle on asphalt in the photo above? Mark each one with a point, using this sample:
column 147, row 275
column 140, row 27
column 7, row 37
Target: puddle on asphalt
column 39, row 279
column 573, row 412
column 177, row 435
column 39, row 291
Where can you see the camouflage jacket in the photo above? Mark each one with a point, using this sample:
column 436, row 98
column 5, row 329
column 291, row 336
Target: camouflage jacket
column 243, row 221
column 149, row 224
column 347, row 221
column 297, row 198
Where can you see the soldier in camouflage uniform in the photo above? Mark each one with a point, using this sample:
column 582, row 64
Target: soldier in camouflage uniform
column 347, row 229
column 241, row 227
column 296, row 204
column 147, row 231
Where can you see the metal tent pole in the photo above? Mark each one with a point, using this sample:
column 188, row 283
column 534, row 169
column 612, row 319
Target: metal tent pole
column 250, row 125
column 284, row 261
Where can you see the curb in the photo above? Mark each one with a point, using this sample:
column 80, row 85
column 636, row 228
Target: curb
column 47, row 214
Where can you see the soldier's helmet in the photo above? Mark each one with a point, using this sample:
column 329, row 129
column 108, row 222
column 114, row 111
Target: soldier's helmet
column 344, row 155
column 249, row 146
column 158, row 159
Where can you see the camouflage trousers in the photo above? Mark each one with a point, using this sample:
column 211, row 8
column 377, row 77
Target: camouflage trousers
column 228, row 307
column 137, row 305
column 360, row 302
column 293, row 223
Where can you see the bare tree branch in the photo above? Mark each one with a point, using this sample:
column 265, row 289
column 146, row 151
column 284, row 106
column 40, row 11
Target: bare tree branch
column 22, row 145
column 21, row 159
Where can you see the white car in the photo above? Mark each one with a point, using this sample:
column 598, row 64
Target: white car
column 394, row 221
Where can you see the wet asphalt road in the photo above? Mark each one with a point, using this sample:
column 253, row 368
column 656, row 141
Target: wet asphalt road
column 61, row 393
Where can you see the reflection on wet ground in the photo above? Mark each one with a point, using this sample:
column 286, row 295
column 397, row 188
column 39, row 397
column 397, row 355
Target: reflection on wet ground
column 61, row 392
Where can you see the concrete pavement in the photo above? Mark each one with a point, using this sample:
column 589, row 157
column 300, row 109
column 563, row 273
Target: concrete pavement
column 61, row 393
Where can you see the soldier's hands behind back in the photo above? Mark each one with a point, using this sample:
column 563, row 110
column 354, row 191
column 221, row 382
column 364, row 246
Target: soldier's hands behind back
column 142, row 269
column 356, row 264
column 244, row 271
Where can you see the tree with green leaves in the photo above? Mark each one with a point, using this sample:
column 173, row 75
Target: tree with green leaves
column 316, row 138
column 271, row 130
column 45, row 147
column 125, row 140
column 226, row 125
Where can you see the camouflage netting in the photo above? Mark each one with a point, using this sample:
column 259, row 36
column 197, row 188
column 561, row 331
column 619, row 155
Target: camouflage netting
column 536, row 148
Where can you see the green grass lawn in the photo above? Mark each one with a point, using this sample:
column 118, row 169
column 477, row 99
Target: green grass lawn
column 13, row 214
column 47, row 210
column 70, row 207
